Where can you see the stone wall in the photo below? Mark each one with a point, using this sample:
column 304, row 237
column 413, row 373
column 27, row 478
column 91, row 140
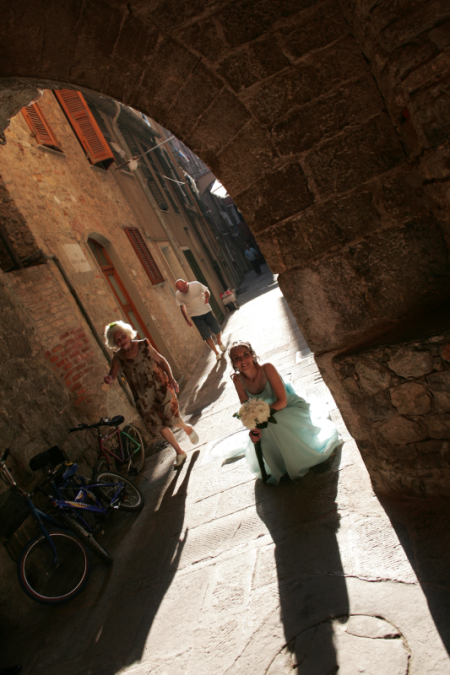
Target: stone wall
column 326, row 122
column 402, row 395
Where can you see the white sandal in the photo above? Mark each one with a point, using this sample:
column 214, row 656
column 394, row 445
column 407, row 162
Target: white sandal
column 193, row 437
column 180, row 460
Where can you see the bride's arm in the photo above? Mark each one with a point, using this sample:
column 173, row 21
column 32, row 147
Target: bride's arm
column 277, row 386
column 239, row 388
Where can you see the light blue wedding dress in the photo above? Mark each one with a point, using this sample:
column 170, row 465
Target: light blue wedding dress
column 302, row 438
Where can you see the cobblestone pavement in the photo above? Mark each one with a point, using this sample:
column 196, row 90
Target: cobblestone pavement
column 220, row 574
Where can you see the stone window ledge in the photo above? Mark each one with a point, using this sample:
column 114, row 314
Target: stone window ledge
column 43, row 148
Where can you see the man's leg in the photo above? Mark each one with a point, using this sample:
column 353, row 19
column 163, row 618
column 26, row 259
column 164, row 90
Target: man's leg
column 219, row 342
column 210, row 342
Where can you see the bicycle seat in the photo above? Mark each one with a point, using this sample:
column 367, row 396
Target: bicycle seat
column 118, row 419
column 51, row 457
column 70, row 471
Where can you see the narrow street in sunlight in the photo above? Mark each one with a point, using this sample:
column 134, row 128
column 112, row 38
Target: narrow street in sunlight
column 221, row 574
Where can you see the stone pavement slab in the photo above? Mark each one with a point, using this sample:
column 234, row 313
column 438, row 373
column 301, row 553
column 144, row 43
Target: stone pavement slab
column 222, row 574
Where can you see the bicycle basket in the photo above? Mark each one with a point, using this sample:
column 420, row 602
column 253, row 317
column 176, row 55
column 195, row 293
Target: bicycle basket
column 13, row 512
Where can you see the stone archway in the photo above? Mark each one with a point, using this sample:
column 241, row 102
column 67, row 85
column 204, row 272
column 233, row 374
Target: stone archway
column 328, row 123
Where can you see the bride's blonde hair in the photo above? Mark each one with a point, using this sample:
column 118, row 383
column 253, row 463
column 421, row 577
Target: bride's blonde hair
column 246, row 345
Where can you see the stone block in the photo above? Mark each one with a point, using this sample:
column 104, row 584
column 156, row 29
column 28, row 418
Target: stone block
column 378, row 407
column 314, row 29
column 223, row 119
column 411, row 363
column 408, row 262
column 306, row 81
column 329, row 300
column 400, row 431
column 355, row 156
column 441, row 447
column 169, row 14
column 402, row 197
column 395, row 24
column 430, row 110
column 193, row 99
column 169, row 69
column 372, row 377
column 205, row 38
column 136, row 41
column 411, row 399
column 439, row 382
column 306, row 126
column 318, row 230
column 249, row 156
column 245, row 20
column 439, row 426
column 252, row 63
column 445, row 351
column 275, row 197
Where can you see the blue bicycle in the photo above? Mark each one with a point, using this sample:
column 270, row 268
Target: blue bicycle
column 83, row 504
column 54, row 566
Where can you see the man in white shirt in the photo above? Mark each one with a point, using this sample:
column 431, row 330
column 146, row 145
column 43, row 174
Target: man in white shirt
column 193, row 298
column 252, row 258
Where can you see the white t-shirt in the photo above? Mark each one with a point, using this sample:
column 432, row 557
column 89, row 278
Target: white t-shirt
column 194, row 299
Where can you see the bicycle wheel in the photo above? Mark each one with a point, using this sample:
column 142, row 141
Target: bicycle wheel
column 46, row 583
column 99, row 466
column 130, row 498
column 86, row 537
column 133, row 448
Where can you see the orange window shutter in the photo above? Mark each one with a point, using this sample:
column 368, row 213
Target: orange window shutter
column 144, row 255
column 40, row 127
column 85, row 126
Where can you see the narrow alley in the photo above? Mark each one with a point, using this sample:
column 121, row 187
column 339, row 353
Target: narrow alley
column 223, row 574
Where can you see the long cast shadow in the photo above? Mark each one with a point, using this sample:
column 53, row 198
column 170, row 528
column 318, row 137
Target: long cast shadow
column 106, row 627
column 303, row 521
column 422, row 527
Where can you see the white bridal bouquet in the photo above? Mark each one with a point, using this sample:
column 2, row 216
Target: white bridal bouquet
column 256, row 413
column 253, row 412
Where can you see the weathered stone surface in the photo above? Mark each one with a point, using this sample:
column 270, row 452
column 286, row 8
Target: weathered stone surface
column 275, row 197
column 439, row 426
column 411, row 363
column 314, row 29
column 445, row 351
column 400, row 431
column 252, row 63
column 208, row 134
column 355, row 157
column 396, row 26
column 205, row 38
column 303, row 128
column 302, row 83
column 370, row 627
column 372, row 378
column 411, row 399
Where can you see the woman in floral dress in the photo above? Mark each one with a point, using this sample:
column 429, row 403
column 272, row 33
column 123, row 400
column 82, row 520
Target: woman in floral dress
column 151, row 382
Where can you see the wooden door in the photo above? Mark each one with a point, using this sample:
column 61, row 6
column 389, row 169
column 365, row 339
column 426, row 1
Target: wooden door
column 119, row 290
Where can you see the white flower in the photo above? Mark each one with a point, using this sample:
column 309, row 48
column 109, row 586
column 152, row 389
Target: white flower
column 254, row 411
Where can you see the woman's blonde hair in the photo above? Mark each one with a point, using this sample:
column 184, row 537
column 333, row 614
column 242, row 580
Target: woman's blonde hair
column 111, row 329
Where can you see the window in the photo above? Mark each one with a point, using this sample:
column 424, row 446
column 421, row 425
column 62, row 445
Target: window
column 152, row 184
column 85, row 127
column 40, row 127
column 120, row 161
column 150, row 159
column 144, row 255
column 119, row 290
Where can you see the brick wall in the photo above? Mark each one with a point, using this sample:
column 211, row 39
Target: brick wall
column 72, row 352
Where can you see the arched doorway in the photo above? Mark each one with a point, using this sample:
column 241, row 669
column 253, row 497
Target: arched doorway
column 118, row 288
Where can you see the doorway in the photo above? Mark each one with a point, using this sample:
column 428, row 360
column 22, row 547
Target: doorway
column 119, row 290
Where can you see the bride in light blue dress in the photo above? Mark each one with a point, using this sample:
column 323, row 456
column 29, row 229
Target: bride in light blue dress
column 298, row 440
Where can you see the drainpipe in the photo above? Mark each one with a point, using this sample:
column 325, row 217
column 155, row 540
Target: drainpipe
column 87, row 318
column 9, row 247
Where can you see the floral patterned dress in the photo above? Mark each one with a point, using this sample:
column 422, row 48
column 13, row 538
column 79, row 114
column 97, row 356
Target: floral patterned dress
column 155, row 399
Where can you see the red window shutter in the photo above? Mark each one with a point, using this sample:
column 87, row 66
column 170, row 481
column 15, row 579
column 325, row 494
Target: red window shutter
column 85, row 126
column 40, row 127
column 144, row 255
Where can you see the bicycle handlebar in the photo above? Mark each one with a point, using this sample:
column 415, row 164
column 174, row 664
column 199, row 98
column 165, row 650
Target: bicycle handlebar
column 105, row 421
column 6, row 454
